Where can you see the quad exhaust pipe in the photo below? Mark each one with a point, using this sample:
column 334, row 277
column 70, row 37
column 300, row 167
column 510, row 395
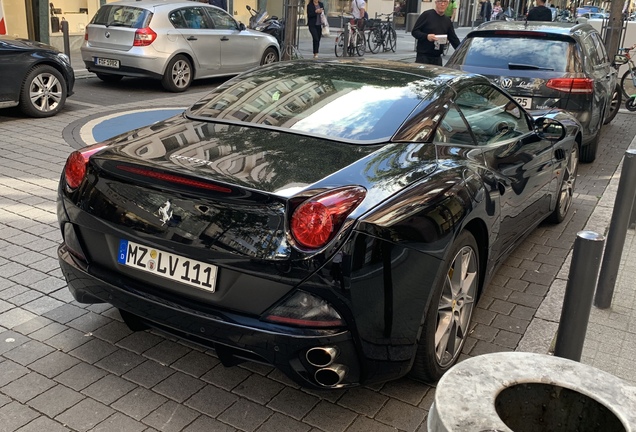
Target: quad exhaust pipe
column 321, row 356
column 330, row 376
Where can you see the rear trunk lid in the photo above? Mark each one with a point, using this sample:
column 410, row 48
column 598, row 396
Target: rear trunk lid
column 114, row 27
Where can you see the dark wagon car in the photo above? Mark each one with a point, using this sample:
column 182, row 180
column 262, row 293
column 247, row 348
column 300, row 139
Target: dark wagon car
column 335, row 220
column 545, row 65
column 35, row 77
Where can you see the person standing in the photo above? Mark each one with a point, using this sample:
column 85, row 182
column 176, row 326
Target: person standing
column 429, row 25
column 315, row 9
column 451, row 10
column 486, row 10
column 496, row 10
column 219, row 3
column 539, row 12
column 358, row 10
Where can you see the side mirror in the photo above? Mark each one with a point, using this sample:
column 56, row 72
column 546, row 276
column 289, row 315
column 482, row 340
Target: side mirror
column 242, row 26
column 549, row 129
column 620, row 59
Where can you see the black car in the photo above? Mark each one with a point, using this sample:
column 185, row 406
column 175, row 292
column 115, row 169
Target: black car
column 35, row 77
column 544, row 65
column 335, row 220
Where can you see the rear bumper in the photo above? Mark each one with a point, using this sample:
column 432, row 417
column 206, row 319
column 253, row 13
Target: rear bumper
column 235, row 337
column 139, row 64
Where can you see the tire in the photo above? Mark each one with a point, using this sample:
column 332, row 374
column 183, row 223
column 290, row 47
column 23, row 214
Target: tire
column 566, row 191
column 269, row 56
column 588, row 152
column 630, row 103
column 43, row 92
column 374, row 41
column 178, row 75
column 615, row 105
column 340, row 47
column 109, row 78
column 391, row 40
column 627, row 84
column 361, row 44
column 453, row 311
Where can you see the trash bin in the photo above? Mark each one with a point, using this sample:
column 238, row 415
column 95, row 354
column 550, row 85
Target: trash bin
column 526, row 392
column 410, row 21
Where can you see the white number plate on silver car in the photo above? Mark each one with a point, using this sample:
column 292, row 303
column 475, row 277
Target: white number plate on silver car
column 525, row 102
column 111, row 63
column 168, row 265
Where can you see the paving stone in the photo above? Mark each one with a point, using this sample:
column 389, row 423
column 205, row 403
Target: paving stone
column 139, row 403
column 55, row 400
column 28, row 352
column 166, row 352
column 80, row 376
column 88, row 322
column 119, row 422
column 26, row 297
column 507, row 339
column 293, row 403
column 195, row 363
column 120, row 361
column 108, row 389
column 4, row 399
column 525, row 299
column 93, row 350
column 245, row 415
column 226, row 377
column 53, row 364
column 485, row 333
column 149, row 374
column 113, row 332
column 211, row 400
column 401, row 415
column 483, row 316
column 511, row 324
column 207, row 424
column 501, row 307
column 48, row 331
column 523, row 312
column 65, row 313
column 15, row 415
column 10, row 340
column 32, row 325
column 179, row 386
column 364, row 401
column 15, row 317
column 43, row 424
column 428, row 399
column 330, row 417
column 85, row 415
column 68, row 340
column 11, row 371
column 171, row 417
column 364, row 424
column 139, row 341
column 27, row 387
column 258, row 388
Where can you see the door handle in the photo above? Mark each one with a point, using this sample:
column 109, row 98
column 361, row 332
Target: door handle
column 225, row 38
column 192, row 38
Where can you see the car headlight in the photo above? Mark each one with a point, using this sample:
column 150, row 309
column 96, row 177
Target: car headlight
column 64, row 58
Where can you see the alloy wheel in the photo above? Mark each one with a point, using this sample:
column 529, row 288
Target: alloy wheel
column 45, row 92
column 567, row 186
column 181, row 74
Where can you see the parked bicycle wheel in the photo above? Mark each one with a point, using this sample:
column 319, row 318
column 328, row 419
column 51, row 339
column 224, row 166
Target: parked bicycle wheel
column 375, row 40
column 340, row 45
column 391, row 40
column 627, row 83
column 361, row 44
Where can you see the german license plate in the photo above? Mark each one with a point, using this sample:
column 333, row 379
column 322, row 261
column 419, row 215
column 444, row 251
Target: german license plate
column 525, row 102
column 168, row 265
column 111, row 63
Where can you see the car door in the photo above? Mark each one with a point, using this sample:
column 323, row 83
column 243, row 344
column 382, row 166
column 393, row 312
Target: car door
column 239, row 49
column 520, row 164
column 203, row 40
column 598, row 67
column 13, row 69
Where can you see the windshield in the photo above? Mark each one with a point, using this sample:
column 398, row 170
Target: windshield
column 519, row 53
column 335, row 101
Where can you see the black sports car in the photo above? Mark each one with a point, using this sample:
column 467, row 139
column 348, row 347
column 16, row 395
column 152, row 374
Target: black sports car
column 335, row 219
column 35, row 77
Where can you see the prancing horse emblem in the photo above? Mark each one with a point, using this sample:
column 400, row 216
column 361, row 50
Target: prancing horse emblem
column 165, row 213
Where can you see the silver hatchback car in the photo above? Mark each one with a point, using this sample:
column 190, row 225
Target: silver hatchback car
column 175, row 42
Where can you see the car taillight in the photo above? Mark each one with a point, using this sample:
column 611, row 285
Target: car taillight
column 75, row 168
column 144, row 37
column 305, row 310
column 316, row 221
column 571, row 85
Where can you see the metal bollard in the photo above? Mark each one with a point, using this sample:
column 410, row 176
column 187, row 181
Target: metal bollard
column 575, row 314
column 67, row 44
column 617, row 231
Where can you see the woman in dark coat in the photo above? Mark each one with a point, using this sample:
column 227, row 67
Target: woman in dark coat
column 315, row 9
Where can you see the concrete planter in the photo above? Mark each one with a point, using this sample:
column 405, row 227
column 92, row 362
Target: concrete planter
column 525, row 392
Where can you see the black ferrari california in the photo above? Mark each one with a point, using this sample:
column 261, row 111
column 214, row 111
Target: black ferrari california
column 337, row 220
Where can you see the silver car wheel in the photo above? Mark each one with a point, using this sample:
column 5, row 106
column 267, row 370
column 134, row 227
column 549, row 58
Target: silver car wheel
column 455, row 306
column 45, row 92
column 181, row 74
column 567, row 186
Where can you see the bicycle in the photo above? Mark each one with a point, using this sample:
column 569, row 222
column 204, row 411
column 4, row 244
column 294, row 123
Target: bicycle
column 382, row 35
column 628, row 80
column 357, row 42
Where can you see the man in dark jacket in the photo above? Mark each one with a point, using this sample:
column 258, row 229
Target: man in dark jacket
column 429, row 25
column 486, row 10
column 540, row 12
column 219, row 3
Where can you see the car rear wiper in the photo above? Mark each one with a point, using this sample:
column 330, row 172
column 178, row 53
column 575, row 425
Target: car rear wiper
column 520, row 66
column 115, row 23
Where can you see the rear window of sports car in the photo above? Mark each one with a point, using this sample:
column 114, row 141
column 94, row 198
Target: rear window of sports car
column 122, row 16
column 351, row 103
